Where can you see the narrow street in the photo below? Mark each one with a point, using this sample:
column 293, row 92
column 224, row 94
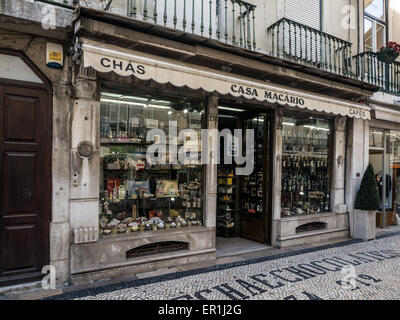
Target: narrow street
column 372, row 273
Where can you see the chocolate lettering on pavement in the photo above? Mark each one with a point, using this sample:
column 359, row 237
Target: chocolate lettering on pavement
column 278, row 278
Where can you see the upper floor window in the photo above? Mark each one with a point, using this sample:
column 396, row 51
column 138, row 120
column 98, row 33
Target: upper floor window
column 375, row 8
column 374, row 24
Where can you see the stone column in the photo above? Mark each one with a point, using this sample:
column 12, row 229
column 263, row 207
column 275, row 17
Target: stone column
column 357, row 162
column 276, row 176
column 60, row 226
column 338, row 166
column 211, row 174
column 85, row 162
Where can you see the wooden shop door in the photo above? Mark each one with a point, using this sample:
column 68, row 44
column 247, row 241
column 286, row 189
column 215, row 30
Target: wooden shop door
column 25, row 182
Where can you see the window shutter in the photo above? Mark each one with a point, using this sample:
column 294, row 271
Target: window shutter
column 299, row 41
column 306, row 12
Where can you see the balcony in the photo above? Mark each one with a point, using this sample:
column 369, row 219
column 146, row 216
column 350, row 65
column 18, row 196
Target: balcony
column 232, row 23
column 384, row 75
column 301, row 44
column 229, row 21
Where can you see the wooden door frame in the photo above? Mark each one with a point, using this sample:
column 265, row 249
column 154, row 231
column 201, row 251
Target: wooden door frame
column 269, row 172
column 47, row 90
column 269, row 134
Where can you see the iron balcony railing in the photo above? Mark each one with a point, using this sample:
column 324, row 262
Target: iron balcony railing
column 230, row 21
column 385, row 75
column 233, row 22
column 305, row 45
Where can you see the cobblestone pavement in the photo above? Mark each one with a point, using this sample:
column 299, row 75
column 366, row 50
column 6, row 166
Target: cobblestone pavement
column 356, row 270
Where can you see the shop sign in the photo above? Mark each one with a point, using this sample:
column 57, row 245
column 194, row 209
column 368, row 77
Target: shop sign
column 120, row 65
column 178, row 74
column 268, row 95
column 358, row 113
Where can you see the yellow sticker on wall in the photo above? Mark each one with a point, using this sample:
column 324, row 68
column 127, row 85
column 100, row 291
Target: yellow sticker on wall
column 54, row 55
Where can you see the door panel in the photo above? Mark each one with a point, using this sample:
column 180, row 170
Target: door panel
column 20, row 115
column 20, row 176
column 25, row 183
column 21, row 246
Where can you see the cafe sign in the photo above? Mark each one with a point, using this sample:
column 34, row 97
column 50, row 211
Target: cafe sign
column 107, row 58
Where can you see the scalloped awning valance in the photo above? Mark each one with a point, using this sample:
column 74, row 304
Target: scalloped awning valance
column 108, row 58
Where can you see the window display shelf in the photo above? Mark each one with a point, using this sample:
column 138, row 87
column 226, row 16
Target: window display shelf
column 305, row 186
column 135, row 195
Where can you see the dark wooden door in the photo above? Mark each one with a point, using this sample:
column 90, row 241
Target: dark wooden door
column 256, row 204
column 25, row 183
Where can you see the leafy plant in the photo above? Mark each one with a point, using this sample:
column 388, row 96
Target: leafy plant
column 368, row 194
column 389, row 53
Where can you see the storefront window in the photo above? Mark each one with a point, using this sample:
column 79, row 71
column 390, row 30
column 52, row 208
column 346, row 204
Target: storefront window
column 136, row 195
column 384, row 155
column 393, row 200
column 305, row 166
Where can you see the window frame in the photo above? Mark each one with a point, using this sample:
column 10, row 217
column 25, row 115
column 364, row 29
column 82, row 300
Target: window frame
column 376, row 21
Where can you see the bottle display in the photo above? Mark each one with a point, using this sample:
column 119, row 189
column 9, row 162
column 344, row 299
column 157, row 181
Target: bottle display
column 227, row 209
column 134, row 194
column 252, row 190
column 305, row 186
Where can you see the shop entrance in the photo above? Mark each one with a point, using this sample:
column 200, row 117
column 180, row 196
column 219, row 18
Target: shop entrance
column 25, row 176
column 243, row 201
column 384, row 155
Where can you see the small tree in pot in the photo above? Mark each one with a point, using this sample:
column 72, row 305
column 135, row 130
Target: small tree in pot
column 367, row 202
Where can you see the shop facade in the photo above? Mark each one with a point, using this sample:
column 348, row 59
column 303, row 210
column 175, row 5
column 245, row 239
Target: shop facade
column 113, row 213
column 129, row 216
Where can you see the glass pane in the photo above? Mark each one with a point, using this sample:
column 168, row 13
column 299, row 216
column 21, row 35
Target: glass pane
column 376, row 159
column 375, row 8
column 380, row 36
column 14, row 68
column 394, row 171
column 368, row 35
column 305, row 166
column 137, row 195
column 376, row 138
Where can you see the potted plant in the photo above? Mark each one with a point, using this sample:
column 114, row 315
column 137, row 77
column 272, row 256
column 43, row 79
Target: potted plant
column 389, row 53
column 367, row 202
